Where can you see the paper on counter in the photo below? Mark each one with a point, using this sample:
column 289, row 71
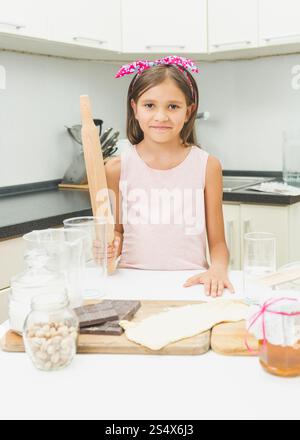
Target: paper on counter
column 276, row 188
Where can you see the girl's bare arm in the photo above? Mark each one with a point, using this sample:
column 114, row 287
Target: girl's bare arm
column 113, row 174
column 219, row 254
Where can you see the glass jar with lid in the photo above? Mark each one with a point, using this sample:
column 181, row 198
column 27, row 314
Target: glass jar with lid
column 36, row 279
column 276, row 325
column 51, row 332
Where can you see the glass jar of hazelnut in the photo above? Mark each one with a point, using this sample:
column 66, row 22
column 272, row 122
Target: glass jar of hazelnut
column 51, row 332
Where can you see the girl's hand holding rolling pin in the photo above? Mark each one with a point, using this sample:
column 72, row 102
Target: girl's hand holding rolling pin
column 112, row 251
column 214, row 280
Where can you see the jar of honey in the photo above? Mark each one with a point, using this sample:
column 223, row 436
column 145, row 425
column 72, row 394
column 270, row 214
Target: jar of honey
column 277, row 327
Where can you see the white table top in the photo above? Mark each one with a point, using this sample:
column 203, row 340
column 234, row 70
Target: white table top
column 127, row 387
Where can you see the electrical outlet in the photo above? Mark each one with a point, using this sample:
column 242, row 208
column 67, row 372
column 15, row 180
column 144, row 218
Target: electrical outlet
column 2, row 78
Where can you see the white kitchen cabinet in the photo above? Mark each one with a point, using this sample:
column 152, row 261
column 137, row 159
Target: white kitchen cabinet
column 232, row 24
column 232, row 223
column 90, row 23
column 279, row 22
column 4, row 295
column 24, row 17
column 12, row 260
column 168, row 26
column 282, row 221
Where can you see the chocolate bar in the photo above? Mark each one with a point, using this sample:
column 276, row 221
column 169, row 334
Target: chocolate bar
column 109, row 328
column 124, row 309
column 95, row 314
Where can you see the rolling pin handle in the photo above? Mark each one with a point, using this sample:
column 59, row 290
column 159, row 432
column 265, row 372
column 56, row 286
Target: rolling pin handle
column 86, row 110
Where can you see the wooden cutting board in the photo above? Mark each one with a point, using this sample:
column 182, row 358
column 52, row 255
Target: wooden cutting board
column 197, row 345
column 68, row 186
column 229, row 339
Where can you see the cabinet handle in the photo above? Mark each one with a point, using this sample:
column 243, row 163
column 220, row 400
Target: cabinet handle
column 246, row 227
column 175, row 46
column 230, row 240
column 233, row 43
column 281, row 37
column 94, row 40
column 15, row 25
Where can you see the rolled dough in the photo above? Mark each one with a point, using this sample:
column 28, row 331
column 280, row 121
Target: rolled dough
column 157, row 331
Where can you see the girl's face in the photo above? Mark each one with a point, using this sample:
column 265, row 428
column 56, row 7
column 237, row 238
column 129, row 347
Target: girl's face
column 162, row 112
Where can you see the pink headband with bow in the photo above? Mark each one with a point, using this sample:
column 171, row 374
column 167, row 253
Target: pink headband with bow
column 139, row 66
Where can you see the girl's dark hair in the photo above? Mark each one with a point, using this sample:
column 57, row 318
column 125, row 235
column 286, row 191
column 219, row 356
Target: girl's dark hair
column 151, row 78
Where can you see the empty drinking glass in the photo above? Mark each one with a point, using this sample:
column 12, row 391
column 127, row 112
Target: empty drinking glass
column 95, row 228
column 291, row 157
column 259, row 260
column 60, row 251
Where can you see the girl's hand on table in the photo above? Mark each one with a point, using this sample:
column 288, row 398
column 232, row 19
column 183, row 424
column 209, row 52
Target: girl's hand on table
column 214, row 280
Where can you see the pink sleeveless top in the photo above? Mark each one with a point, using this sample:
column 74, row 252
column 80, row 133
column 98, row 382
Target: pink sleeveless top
column 163, row 213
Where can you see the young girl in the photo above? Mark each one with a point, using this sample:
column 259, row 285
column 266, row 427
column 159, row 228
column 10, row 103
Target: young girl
column 167, row 190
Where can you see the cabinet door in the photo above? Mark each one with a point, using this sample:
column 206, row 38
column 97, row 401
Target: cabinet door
column 279, row 21
column 4, row 294
column 168, row 26
column 91, row 23
column 294, row 233
column 24, row 17
column 232, row 24
column 12, row 260
column 272, row 219
column 232, row 233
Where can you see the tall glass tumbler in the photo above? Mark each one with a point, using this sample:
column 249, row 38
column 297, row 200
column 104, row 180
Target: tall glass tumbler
column 259, row 260
column 95, row 278
column 291, row 157
column 60, row 251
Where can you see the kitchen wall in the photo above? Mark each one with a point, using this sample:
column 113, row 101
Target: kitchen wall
column 41, row 97
column 250, row 102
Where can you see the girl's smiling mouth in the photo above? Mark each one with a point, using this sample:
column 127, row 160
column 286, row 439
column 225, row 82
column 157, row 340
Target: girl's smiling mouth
column 161, row 128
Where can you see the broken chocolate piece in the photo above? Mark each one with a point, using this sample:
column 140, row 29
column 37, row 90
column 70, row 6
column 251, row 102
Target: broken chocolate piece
column 103, row 329
column 95, row 314
column 124, row 309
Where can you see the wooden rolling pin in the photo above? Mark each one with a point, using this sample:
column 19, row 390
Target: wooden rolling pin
column 280, row 277
column 96, row 173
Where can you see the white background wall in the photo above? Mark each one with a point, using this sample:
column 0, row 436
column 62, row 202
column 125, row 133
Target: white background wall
column 250, row 102
column 41, row 97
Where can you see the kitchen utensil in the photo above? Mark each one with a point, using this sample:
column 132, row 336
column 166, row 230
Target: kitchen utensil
column 96, row 173
column 75, row 130
column 197, row 345
column 113, row 138
column 293, row 284
column 105, row 135
column 68, row 186
column 280, row 277
column 76, row 173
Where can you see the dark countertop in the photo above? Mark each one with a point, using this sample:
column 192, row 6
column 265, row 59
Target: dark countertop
column 39, row 206
column 258, row 197
column 42, row 209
